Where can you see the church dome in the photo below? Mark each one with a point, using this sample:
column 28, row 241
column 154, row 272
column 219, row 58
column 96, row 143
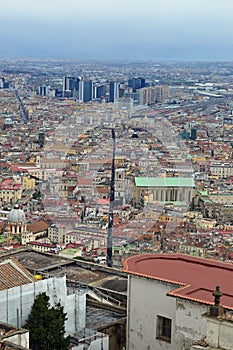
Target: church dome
column 16, row 215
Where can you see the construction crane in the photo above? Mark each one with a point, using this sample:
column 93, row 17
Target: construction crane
column 111, row 203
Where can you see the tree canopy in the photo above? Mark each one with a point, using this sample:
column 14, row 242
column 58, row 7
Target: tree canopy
column 46, row 325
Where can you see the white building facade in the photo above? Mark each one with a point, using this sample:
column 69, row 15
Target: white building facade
column 167, row 313
column 148, row 305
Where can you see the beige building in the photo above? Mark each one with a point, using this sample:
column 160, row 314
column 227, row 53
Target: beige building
column 152, row 94
column 34, row 231
column 10, row 191
column 27, row 232
column 55, row 234
column 221, row 170
column 41, row 247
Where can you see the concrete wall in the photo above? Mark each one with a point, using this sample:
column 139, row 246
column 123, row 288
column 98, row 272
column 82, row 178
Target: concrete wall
column 75, row 307
column 147, row 300
column 190, row 325
column 220, row 333
column 16, row 303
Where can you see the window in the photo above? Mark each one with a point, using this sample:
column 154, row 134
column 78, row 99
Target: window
column 164, row 328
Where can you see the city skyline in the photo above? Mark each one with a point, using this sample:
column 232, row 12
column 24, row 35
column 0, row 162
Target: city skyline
column 161, row 30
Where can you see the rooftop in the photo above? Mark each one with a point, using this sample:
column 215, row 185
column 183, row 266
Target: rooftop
column 196, row 277
column 164, row 182
column 13, row 274
column 38, row 226
column 8, row 333
column 98, row 317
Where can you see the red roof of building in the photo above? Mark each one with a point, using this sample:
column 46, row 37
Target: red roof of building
column 84, row 181
column 38, row 226
column 6, row 183
column 102, row 201
column 197, row 277
column 48, row 245
column 13, row 274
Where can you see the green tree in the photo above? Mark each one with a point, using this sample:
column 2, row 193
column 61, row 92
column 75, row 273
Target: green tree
column 46, row 325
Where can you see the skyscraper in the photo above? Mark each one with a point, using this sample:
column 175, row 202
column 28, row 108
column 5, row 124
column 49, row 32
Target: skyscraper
column 88, row 91
column 42, row 90
column 136, row 83
column 2, row 83
column 100, row 91
column 79, row 89
column 68, row 85
column 193, row 135
column 114, row 91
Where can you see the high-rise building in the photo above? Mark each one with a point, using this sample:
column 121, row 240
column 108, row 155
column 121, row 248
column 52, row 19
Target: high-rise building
column 42, row 90
column 193, row 134
column 79, row 89
column 114, row 91
column 2, row 83
column 153, row 94
column 100, row 91
column 136, row 83
column 88, row 91
column 68, row 85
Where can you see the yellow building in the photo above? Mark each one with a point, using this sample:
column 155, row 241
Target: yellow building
column 29, row 183
column 10, row 191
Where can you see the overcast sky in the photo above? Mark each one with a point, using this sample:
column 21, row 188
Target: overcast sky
column 117, row 29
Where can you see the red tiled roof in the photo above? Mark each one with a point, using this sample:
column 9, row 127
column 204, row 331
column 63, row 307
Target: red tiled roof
column 102, row 201
column 103, row 190
column 48, row 245
column 13, row 274
column 38, row 226
column 6, row 183
column 84, row 181
column 197, row 277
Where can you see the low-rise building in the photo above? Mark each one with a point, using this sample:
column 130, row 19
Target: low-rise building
column 167, row 294
column 12, row 338
column 42, row 247
column 10, row 191
column 221, row 170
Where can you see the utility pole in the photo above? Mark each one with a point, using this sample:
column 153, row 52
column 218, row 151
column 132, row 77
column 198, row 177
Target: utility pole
column 112, row 197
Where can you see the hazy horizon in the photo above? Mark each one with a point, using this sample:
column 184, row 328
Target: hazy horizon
column 179, row 30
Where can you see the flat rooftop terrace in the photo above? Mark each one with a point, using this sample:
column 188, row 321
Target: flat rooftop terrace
column 75, row 270
column 35, row 261
column 195, row 278
column 99, row 317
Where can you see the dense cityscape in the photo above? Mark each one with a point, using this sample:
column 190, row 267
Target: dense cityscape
column 111, row 170
column 171, row 121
